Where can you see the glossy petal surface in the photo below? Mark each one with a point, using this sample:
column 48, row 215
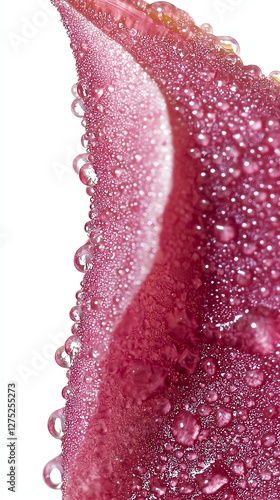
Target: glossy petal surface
column 174, row 383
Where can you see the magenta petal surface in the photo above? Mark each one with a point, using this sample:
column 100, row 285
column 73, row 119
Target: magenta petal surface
column 174, row 381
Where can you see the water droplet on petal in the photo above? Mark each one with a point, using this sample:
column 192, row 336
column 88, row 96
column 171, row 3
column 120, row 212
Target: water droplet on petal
column 211, row 483
column 244, row 277
column 202, row 139
column 275, row 76
column 257, row 331
column 225, row 231
column 65, row 392
column 75, row 313
column 162, row 10
column 74, row 90
column 88, row 175
column 207, row 27
column 253, row 70
column 269, row 439
column 204, row 410
column 185, row 428
column 95, row 303
column 84, row 140
column 56, row 423
column 72, row 345
column 238, row 468
column 271, row 411
column 250, row 167
column 255, row 378
column 62, row 358
column 82, row 90
column 78, row 108
column 211, row 396
column 83, row 257
column 79, row 161
column 223, row 417
column 230, row 44
column 209, row 365
column 157, row 487
column 52, row 473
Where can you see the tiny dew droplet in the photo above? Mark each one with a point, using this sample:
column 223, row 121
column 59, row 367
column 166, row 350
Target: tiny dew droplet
column 62, row 358
column 52, row 473
column 78, row 108
column 56, row 424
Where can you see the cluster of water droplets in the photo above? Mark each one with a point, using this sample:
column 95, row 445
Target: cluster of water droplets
column 177, row 19
column 82, row 164
column 53, row 470
column 186, row 426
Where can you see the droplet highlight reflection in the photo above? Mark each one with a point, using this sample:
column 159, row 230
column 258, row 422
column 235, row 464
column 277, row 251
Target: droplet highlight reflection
column 52, row 473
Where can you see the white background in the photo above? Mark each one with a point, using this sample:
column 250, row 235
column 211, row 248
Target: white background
column 44, row 206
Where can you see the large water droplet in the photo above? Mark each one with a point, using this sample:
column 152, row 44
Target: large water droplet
column 84, row 140
column 206, row 27
column 230, row 44
column 225, row 231
column 79, row 161
column 211, row 483
column 52, row 473
column 244, row 277
column 62, row 358
column 204, row 410
column 82, row 90
column 75, row 313
column 88, row 175
column 56, row 423
column 211, row 396
column 268, row 439
column 257, row 331
column 74, row 90
column 209, row 365
column 78, row 108
column 72, row 345
column 163, row 10
column 185, row 428
column 253, row 70
column 255, row 378
column 223, row 417
column 83, row 257
column 238, row 468
column 157, row 487
column 271, row 411
column 250, row 166
column 275, row 76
